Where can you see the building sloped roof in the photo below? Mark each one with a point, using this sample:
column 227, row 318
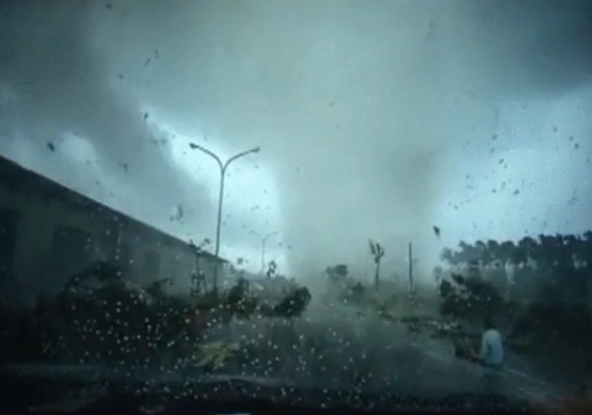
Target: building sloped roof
column 20, row 178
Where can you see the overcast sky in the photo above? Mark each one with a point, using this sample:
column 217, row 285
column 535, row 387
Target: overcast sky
column 376, row 119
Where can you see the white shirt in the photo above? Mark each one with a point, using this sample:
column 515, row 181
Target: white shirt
column 492, row 350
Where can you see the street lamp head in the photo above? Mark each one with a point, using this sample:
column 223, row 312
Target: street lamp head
column 256, row 150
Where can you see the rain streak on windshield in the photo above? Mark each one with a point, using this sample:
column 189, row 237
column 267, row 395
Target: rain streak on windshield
column 379, row 196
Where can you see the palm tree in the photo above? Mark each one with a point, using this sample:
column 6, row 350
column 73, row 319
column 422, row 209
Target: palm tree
column 377, row 252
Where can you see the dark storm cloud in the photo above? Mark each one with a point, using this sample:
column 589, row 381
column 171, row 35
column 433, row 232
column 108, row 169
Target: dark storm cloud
column 358, row 105
column 544, row 46
column 62, row 84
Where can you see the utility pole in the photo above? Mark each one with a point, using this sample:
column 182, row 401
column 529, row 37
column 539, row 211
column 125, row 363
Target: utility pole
column 223, row 167
column 411, row 285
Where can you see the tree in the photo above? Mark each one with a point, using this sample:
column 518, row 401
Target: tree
column 377, row 252
column 560, row 261
column 551, row 279
column 469, row 298
column 448, row 256
column 338, row 272
column 272, row 269
column 505, row 251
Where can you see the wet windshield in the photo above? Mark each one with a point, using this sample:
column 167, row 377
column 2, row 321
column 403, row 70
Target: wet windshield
column 379, row 196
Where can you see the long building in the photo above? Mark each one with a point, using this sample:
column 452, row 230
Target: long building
column 48, row 232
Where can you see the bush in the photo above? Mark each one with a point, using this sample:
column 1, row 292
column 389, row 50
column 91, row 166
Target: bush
column 469, row 298
column 556, row 321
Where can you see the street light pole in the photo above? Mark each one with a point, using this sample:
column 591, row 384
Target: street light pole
column 223, row 166
column 263, row 242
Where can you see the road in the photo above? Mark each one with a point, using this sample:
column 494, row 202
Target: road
column 393, row 359
column 448, row 373
column 370, row 355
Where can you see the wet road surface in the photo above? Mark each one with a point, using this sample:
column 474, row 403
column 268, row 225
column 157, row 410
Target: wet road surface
column 373, row 357
column 457, row 376
column 400, row 361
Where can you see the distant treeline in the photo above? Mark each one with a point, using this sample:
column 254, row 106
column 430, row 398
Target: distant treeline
column 546, row 267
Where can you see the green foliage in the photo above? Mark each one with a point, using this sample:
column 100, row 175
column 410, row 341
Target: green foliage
column 294, row 303
column 272, row 269
column 469, row 298
column 338, row 272
column 345, row 288
column 570, row 322
column 101, row 317
column 545, row 284
column 560, row 261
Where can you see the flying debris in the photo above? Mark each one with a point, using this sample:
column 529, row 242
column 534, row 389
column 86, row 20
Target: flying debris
column 177, row 213
column 51, row 146
column 436, row 231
